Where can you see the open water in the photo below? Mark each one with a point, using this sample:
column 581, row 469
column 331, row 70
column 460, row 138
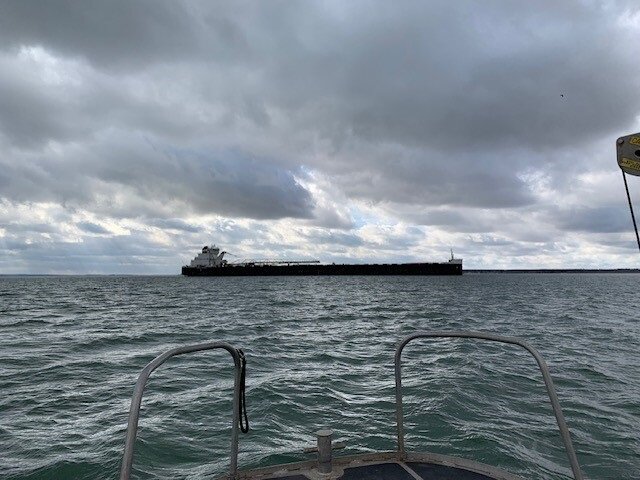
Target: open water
column 320, row 354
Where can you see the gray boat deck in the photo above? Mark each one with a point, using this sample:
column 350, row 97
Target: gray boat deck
column 401, row 471
column 385, row 466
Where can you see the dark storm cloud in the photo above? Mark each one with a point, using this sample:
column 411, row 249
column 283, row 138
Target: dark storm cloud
column 129, row 177
column 328, row 237
column 445, row 85
column 92, row 227
column 409, row 72
column 28, row 227
column 175, row 224
column 34, row 112
column 595, row 220
column 114, row 33
column 30, row 114
column 230, row 182
column 433, row 74
column 99, row 254
column 449, row 219
column 435, row 179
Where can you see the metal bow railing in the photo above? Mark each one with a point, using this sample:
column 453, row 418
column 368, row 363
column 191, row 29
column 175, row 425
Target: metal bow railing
column 562, row 425
column 136, row 401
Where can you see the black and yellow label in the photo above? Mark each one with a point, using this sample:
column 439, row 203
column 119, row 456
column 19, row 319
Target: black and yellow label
column 630, row 166
column 634, row 140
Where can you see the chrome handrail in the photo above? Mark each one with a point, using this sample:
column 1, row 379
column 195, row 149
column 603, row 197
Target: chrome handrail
column 562, row 425
column 136, row 401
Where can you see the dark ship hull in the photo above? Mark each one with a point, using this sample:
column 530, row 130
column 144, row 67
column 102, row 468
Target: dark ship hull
column 250, row 270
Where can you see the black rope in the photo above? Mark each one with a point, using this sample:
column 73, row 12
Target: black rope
column 243, row 420
column 635, row 226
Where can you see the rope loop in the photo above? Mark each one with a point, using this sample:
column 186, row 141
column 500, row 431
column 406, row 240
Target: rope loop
column 243, row 419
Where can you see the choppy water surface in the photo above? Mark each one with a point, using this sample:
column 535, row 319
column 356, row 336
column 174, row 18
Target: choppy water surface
column 320, row 353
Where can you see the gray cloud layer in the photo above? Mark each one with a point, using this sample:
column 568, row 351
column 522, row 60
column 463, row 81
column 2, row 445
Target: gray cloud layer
column 430, row 111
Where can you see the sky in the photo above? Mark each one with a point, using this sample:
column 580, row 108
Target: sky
column 134, row 133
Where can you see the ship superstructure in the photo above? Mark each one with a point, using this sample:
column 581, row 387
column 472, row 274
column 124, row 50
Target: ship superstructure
column 209, row 257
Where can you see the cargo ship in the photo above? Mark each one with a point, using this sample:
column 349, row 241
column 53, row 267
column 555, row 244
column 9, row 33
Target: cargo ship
column 211, row 263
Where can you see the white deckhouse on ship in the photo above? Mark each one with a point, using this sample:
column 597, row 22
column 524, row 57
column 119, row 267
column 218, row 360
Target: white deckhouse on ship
column 209, row 257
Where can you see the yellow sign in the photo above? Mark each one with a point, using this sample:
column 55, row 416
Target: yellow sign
column 630, row 166
column 634, row 141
